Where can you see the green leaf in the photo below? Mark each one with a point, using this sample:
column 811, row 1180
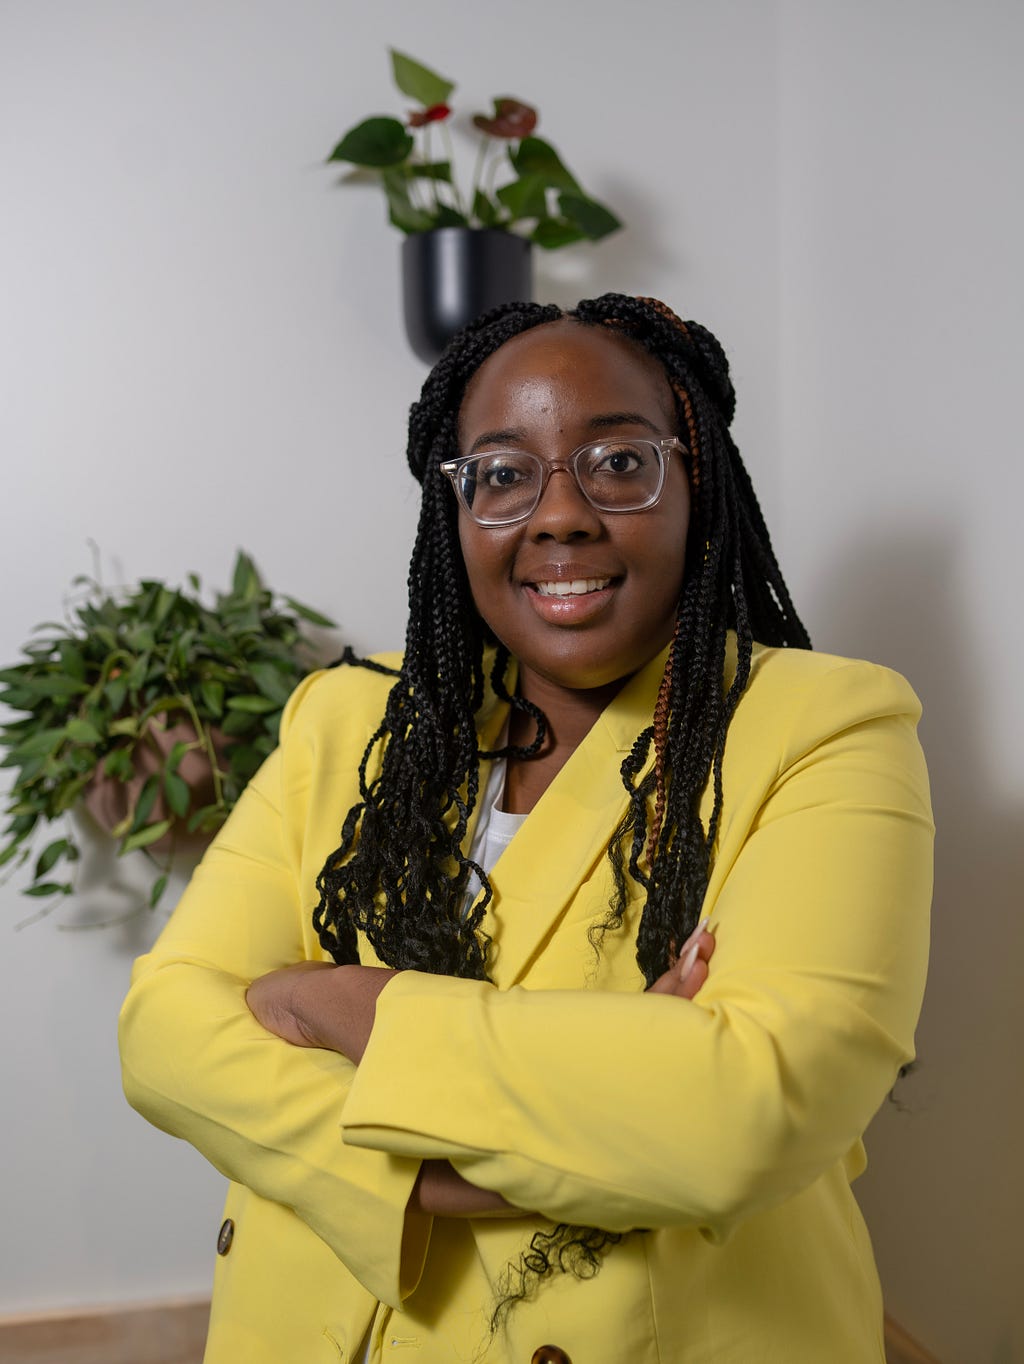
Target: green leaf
column 428, row 170
column 252, row 704
column 418, row 81
column 534, row 156
column 237, row 723
column 52, row 684
column 69, row 793
column 144, row 805
column 272, row 683
column 592, row 219
column 128, row 726
column 152, row 833
column 445, row 216
column 72, row 661
column 137, row 673
column 50, row 855
column 13, row 850
column 525, row 198
column 115, row 691
column 81, row 732
column 159, row 886
column 314, row 617
column 48, row 888
column 206, row 820
column 178, row 796
column 175, row 756
column 165, row 601
column 18, row 699
column 212, row 693
column 552, row 233
column 118, row 764
column 245, row 760
column 402, row 212
column 245, row 581
column 484, row 209
column 42, row 743
column 375, row 142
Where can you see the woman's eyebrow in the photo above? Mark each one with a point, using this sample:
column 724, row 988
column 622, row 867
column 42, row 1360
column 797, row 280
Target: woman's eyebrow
column 600, row 421
column 505, row 437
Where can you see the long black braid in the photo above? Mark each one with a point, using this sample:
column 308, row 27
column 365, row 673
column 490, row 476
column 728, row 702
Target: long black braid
column 407, row 895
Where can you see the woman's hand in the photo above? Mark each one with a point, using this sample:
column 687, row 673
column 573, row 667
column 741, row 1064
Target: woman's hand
column 317, row 1004
column 689, row 970
column 440, row 1191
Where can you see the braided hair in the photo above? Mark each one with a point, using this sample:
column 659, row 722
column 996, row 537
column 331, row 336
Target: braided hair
column 421, row 769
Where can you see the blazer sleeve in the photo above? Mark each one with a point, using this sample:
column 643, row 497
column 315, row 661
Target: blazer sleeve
column 197, row 1064
column 627, row 1110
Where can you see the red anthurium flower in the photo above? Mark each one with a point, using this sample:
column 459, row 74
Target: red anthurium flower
column 511, row 118
column 418, row 118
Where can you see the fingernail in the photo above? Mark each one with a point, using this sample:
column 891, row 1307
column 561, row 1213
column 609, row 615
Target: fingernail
column 686, row 965
column 695, row 934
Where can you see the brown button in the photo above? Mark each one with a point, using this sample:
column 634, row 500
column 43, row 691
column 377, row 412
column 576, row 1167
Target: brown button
column 550, row 1354
column 225, row 1236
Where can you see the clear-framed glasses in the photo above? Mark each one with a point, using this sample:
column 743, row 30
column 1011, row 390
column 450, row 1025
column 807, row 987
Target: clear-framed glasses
column 501, row 487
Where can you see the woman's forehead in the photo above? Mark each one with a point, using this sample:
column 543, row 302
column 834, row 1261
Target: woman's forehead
column 566, row 362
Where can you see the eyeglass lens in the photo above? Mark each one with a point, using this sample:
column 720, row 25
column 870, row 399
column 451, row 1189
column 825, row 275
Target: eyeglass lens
column 615, row 476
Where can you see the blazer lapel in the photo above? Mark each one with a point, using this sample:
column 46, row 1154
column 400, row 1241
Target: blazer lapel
column 567, row 832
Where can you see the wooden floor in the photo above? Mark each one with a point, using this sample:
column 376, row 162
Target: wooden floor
column 169, row 1333
column 174, row 1332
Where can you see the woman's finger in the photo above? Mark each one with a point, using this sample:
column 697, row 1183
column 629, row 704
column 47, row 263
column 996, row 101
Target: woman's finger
column 685, row 976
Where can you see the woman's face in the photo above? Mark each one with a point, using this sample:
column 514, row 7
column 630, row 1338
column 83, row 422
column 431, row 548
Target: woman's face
column 549, row 391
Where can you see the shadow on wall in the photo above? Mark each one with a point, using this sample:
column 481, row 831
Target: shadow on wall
column 944, row 1180
column 112, row 893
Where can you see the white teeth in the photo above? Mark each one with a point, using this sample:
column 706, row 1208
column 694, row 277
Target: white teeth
column 578, row 587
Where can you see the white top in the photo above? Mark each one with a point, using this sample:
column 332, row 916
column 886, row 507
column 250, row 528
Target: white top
column 494, row 831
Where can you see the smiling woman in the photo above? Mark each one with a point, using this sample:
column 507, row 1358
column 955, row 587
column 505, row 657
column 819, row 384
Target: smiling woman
column 622, row 942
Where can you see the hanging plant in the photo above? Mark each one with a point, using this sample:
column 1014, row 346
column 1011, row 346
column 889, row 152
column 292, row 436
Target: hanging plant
column 520, row 183
column 150, row 708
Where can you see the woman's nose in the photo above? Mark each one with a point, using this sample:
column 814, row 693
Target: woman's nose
column 563, row 513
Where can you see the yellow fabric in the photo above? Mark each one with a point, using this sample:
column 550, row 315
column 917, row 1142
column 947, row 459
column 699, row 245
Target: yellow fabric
column 728, row 1127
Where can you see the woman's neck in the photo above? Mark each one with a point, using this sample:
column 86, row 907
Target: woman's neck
column 569, row 717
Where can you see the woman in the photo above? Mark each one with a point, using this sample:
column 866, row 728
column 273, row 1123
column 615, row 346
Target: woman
column 506, row 1093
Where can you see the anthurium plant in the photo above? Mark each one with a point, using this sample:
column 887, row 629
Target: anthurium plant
column 138, row 689
column 519, row 181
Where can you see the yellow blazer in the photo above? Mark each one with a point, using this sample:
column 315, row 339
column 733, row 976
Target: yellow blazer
column 728, row 1127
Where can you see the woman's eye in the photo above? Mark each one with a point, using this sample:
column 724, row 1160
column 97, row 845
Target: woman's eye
column 619, row 459
column 498, row 476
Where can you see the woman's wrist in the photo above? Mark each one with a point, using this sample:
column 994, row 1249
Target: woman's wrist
column 335, row 1009
column 440, row 1191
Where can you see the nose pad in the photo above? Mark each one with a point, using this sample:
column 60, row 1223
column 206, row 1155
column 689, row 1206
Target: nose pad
column 563, row 512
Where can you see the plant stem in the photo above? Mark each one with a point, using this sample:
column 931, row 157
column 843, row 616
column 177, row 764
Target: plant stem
column 492, row 171
column 428, row 158
column 206, row 739
column 449, row 148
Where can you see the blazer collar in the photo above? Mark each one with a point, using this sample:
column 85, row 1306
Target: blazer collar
column 566, row 835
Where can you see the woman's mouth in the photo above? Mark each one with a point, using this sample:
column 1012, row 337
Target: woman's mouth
column 570, row 601
column 577, row 587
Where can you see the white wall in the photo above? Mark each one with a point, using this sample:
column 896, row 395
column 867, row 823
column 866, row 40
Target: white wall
column 200, row 347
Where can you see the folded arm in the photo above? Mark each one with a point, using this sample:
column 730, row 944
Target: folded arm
column 621, row 1110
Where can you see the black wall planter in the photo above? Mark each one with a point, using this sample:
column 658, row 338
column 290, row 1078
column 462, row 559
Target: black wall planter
column 453, row 274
